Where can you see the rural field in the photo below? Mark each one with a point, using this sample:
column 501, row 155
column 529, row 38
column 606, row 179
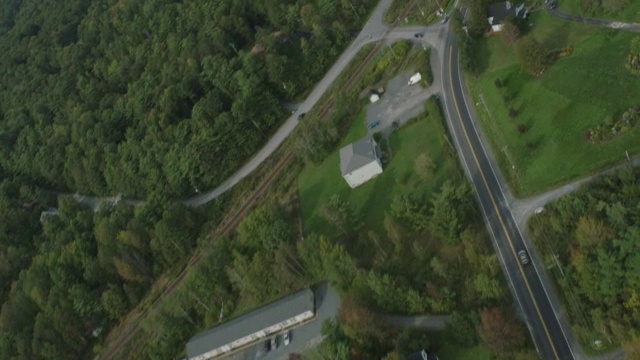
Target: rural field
column 544, row 144
column 424, row 135
column 629, row 13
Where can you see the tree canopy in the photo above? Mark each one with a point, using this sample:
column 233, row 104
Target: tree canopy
column 134, row 97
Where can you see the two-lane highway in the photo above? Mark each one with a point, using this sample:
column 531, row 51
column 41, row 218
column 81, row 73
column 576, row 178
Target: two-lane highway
column 547, row 333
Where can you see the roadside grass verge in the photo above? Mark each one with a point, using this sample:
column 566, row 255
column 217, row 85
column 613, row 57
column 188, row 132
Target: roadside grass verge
column 421, row 13
column 630, row 12
column 318, row 183
column 544, row 144
column 456, row 352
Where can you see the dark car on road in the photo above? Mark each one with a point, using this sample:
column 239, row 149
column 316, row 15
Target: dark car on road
column 301, row 116
column 418, row 35
column 524, row 258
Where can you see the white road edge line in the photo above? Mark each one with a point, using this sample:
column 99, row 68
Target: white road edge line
column 502, row 194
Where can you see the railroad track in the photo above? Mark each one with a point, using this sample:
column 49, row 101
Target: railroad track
column 358, row 72
column 235, row 219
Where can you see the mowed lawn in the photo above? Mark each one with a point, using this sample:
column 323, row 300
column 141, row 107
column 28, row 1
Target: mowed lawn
column 630, row 13
column 576, row 93
column 371, row 200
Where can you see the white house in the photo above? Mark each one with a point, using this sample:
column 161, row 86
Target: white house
column 360, row 162
column 498, row 13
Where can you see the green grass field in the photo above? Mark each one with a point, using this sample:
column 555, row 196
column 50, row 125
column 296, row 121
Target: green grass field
column 573, row 95
column 630, row 13
column 318, row 183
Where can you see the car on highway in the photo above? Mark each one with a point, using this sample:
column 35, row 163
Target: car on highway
column 524, row 258
column 286, row 338
column 373, row 125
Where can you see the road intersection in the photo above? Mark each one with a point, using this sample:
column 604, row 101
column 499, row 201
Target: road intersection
column 538, row 305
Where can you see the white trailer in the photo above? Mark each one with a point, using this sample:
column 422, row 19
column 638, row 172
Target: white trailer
column 415, row 78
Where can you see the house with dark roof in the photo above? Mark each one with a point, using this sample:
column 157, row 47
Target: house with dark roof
column 499, row 13
column 360, row 162
column 252, row 327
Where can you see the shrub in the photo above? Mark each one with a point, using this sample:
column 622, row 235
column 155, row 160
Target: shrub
column 522, row 128
column 513, row 113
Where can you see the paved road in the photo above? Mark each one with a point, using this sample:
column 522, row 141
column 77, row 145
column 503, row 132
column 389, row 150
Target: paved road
column 546, row 330
column 374, row 30
column 523, row 208
column 425, row 322
column 302, row 337
column 597, row 22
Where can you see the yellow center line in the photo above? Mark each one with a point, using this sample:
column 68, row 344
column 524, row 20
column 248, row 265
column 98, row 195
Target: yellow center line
column 493, row 201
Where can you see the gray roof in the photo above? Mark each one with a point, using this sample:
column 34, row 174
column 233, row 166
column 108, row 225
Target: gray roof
column 358, row 154
column 256, row 320
column 501, row 11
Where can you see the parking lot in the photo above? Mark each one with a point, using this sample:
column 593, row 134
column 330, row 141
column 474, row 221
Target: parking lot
column 303, row 337
column 400, row 101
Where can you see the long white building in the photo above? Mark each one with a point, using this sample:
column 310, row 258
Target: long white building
column 254, row 326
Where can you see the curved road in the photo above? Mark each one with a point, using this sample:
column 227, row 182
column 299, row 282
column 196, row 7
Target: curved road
column 548, row 335
column 533, row 297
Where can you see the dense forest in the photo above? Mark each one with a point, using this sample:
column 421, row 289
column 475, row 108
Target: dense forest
column 85, row 271
column 595, row 235
column 430, row 256
column 150, row 99
column 136, row 97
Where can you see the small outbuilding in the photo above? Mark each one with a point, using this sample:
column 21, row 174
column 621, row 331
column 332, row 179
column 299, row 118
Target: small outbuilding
column 499, row 13
column 360, row 162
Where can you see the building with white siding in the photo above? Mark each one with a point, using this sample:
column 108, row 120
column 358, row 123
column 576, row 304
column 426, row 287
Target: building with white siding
column 252, row 327
column 360, row 162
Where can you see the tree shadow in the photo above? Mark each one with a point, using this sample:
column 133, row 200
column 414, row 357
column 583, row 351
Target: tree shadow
column 482, row 54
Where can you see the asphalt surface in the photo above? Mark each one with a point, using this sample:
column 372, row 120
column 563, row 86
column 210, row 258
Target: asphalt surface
column 548, row 335
column 303, row 337
column 597, row 22
column 374, row 30
column 523, row 208
column 525, row 282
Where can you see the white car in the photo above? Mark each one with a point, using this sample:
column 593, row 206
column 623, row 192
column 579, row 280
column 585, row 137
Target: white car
column 286, row 338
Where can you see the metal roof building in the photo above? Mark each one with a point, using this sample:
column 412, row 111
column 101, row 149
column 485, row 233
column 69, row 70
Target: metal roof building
column 256, row 325
column 360, row 162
